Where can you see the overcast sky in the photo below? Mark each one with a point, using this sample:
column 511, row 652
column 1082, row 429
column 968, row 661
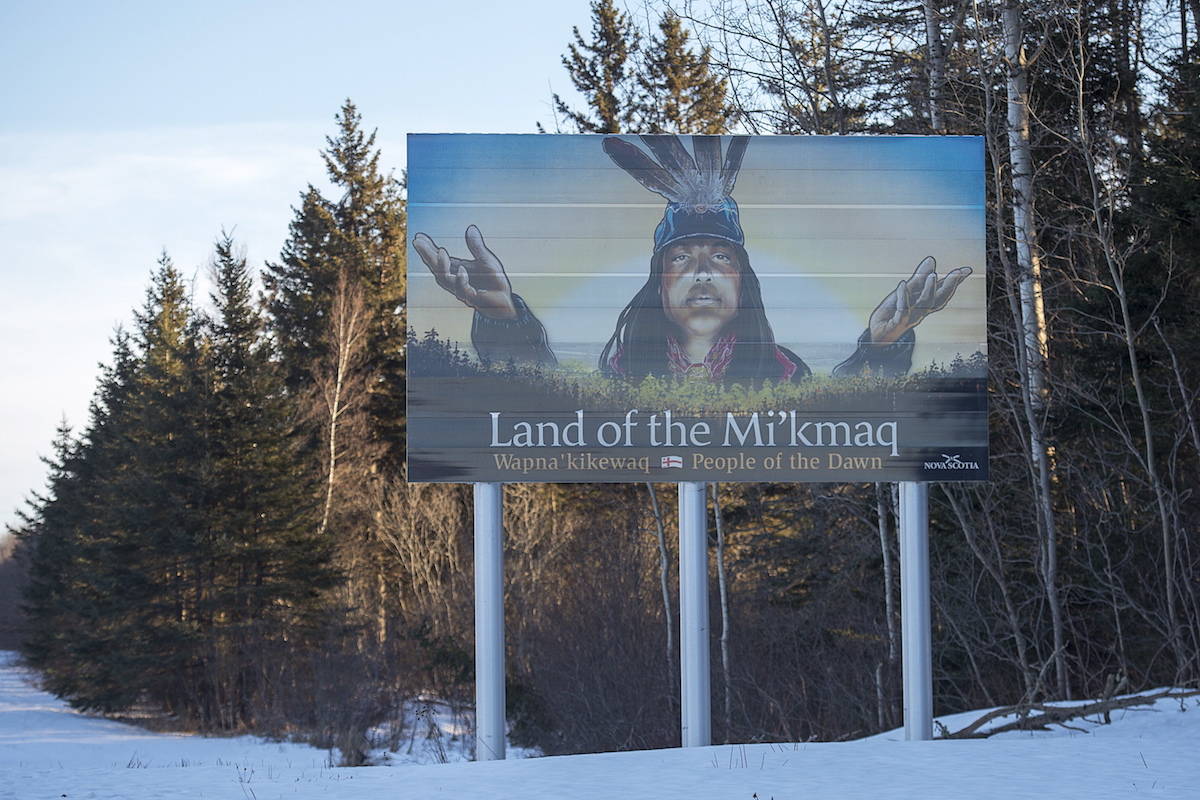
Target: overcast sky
column 129, row 128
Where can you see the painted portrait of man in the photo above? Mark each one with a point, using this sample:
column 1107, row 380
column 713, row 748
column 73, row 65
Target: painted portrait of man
column 700, row 313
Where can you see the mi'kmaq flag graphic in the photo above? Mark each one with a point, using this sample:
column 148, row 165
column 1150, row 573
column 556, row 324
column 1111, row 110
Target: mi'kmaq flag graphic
column 675, row 462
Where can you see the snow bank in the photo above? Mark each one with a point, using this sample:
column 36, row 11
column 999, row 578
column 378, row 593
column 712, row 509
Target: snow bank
column 48, row 751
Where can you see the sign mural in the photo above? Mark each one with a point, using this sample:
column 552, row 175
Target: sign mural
column 732, row 308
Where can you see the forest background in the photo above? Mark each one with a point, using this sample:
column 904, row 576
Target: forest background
column 230, row 539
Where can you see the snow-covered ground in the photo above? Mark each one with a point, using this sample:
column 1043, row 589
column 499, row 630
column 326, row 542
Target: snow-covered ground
column 48, row 751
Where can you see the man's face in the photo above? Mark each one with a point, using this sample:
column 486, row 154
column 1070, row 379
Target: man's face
column 701, row 285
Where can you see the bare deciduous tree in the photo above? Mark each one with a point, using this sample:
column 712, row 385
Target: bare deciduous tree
column 341, row 386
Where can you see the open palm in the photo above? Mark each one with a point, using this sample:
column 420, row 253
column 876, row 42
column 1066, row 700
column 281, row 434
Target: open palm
column 479, row 282
column 913, row 299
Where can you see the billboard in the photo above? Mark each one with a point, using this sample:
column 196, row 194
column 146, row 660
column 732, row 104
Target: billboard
column 669, row 308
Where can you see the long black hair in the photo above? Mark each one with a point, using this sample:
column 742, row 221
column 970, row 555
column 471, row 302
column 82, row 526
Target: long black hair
column 640, row 336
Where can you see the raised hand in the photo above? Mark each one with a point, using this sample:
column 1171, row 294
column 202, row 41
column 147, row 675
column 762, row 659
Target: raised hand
column 480, row 282
column 913, row 299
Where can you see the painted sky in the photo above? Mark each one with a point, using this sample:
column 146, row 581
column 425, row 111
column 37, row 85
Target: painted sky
column 832, row 225
column 130, row 128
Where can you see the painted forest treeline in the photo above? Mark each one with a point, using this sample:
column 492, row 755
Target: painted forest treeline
column 230, row 538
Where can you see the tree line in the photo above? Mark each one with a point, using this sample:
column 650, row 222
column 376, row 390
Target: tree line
column 231, row 537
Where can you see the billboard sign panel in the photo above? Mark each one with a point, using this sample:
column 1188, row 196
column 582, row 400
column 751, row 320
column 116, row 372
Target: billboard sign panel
column 733, row 308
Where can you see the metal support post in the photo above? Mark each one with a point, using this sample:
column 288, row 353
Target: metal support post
column 695, row 705
column 489, row 622
column 914, row 611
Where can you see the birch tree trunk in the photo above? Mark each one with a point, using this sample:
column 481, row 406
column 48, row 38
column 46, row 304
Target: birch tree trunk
column 1194, row 6
column 663, row 576
column 938, row 48
column 885, row 550
column 1021, row 160
column 1034, row 336
column 340, row 385
column 723, row 587
column 937, row 66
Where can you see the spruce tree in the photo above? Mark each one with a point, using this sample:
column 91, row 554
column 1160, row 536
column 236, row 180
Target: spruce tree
column 268, row 563
column 175, row 551
column 298, row 286
column 603, row 70
column 113, row 583
column 51, row 530
column 160, row 531
column 83, row 512
column 358, row 237
column 677, row 89
column 140, row 512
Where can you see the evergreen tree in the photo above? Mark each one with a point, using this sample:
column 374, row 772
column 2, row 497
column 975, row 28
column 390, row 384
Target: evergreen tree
column 358, row 237
column 1163, row 282
column 677, row 90
column 335, row 302
column 158, row 526
column 175, row 554
column 115, row 540
column 1169, row 198
column 51, row 530
column 297, row 287
column 80, row 515
column 268, row 565
column 603, row 70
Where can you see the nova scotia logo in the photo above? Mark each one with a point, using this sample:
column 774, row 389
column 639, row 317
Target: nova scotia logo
column 951, row 461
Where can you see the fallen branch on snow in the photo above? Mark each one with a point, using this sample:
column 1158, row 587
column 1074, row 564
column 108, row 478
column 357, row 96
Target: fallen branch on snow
column 1056, row 715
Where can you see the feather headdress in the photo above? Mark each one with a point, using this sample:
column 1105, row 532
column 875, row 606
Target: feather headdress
column 698, row 189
